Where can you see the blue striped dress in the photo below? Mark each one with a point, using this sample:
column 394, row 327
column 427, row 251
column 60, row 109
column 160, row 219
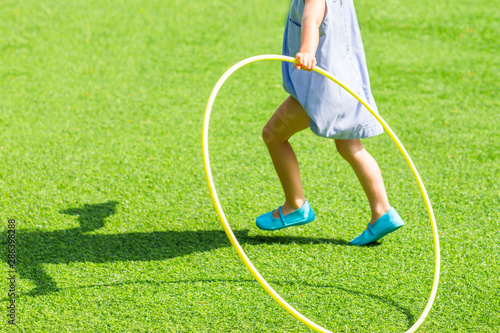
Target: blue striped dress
column 334, row 112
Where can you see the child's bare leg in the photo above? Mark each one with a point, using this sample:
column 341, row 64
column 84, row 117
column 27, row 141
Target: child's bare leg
column 289, row 118
column 368, row 173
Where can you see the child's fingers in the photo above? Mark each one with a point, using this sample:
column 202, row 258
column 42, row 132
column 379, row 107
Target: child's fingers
column 308, row 64
column 305, row 61
column 312, row 64
column 299, row 60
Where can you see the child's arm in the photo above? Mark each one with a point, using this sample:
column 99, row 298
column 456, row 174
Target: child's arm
column 314, row 12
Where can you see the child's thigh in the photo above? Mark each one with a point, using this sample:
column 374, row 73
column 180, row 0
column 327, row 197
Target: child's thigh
column 289, row 118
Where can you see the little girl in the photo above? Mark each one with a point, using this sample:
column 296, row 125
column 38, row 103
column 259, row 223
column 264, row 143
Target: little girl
column 326, row 33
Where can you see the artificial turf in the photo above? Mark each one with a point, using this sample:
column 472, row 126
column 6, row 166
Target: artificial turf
column 101, row 107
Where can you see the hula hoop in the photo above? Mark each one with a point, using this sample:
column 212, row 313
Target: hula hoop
column 234, row 241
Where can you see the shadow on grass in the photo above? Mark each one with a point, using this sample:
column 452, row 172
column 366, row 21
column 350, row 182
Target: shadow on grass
column 91, row 217
column 35, row 248
column 410, row 318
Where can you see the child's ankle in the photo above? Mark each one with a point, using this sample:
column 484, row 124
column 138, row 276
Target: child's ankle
column 295, row 204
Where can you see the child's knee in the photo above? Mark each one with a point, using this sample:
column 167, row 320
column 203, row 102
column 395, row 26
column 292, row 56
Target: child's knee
column 268, row 135
column 273, row 131
column 348, row 148
column 344, row 152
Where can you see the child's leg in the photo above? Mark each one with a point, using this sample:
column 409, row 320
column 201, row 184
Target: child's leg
column 368, row 173
column 289, row 118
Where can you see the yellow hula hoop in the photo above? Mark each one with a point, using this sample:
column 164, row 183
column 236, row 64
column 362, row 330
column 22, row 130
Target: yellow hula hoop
column 230, row 233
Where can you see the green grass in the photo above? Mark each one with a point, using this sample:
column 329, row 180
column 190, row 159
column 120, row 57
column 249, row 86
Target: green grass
column 101, row 107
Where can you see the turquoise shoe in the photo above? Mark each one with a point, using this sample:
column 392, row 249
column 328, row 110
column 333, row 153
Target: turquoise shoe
column 303, row 215
column 389, row 222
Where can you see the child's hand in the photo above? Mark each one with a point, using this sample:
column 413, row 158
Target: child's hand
column 305, row 61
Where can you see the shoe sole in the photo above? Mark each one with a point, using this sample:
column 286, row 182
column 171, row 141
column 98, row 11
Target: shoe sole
column 385, row 233
column 380, row 236
column 286, row 226
column 389, row 231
